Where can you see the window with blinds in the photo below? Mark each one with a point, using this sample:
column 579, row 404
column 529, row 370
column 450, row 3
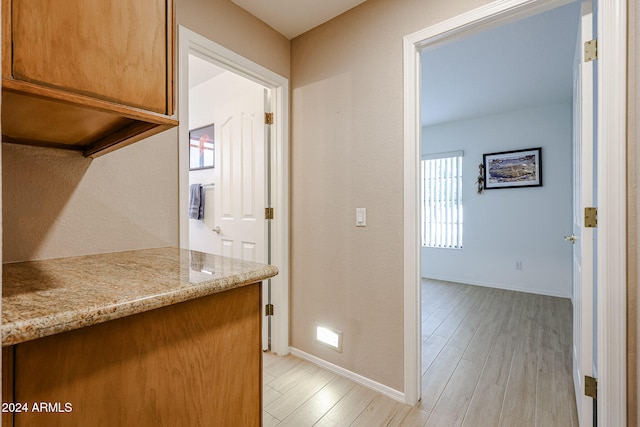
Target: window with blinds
column 442, row 200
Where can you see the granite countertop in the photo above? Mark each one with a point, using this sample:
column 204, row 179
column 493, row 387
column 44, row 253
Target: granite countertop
column 41, row 298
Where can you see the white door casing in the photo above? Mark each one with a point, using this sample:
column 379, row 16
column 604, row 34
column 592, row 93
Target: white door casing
column 612, row 212
column 583, row 243
column 611, row 184
column 192, row 43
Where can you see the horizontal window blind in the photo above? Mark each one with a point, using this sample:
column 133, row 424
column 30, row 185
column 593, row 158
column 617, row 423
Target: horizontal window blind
column 442, row 200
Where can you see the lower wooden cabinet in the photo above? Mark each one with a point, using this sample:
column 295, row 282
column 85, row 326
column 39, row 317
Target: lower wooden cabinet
column 196, row 363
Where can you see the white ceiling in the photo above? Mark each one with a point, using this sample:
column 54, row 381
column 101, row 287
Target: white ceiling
column 520, row 65
column 294, row 17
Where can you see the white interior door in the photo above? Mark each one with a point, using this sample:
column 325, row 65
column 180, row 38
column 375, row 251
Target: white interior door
column 583, row 238
column 240, row 185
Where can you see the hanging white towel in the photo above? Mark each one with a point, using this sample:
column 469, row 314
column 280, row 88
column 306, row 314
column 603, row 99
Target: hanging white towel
column 196, row 201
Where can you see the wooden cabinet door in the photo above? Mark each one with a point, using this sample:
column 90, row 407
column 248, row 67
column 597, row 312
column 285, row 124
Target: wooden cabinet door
column 112, row 50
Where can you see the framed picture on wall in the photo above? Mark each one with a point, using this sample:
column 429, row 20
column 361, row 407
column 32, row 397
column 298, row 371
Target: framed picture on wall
column 508, row 169
column 201, row 148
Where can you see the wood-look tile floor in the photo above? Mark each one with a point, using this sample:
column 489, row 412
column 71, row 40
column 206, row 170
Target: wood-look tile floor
column 489, row 358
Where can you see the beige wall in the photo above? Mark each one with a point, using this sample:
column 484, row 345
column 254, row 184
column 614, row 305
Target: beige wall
column 56, row 203
column 347, row 152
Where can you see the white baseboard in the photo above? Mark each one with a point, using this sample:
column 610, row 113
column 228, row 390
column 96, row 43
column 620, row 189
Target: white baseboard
column 364, row 381
column 496, row 286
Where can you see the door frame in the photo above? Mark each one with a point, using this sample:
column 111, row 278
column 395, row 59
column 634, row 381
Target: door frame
column 190, row 42
column 611, row 184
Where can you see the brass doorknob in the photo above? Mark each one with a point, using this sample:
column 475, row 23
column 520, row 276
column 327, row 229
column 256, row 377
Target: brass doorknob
column 571, row 238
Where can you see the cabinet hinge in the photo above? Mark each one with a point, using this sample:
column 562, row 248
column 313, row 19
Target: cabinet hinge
column 268, row 118
column 590, row 387
column 268, row 213
column 590, row 50
column 590, row 217
column 268, row 310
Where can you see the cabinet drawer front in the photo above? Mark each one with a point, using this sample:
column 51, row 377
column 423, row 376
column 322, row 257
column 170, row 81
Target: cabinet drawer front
column 115, row 50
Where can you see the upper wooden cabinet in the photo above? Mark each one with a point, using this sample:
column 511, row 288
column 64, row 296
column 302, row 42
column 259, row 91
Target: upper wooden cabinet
column 88, row 75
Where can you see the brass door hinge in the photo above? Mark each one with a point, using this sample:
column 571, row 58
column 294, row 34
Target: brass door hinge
column 590, row 217
column 268, row 310
column 268, row 118
column 268, row 213
column 590, row 387
column 590, row 50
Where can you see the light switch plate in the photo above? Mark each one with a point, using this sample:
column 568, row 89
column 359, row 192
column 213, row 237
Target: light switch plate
column 361, row 217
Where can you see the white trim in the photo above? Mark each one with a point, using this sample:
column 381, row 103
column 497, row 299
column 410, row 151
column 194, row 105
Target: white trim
column 364, row 381
column 497, row 286
column 412, row 294
column 611, row 185
column 192, row 43
column 612, row 214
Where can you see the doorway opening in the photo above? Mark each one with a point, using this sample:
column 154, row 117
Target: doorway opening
column 507, row 89
column 611, row 124
column 240, row 170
